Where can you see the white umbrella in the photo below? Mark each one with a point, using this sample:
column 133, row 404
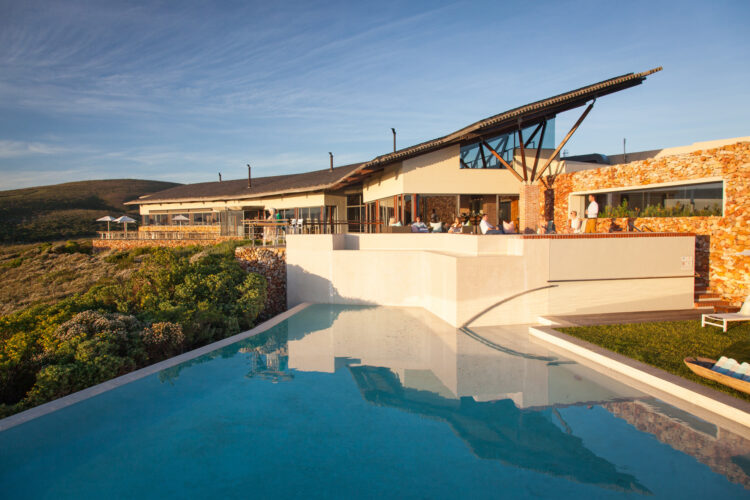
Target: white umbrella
column 124, row 220
column 180, row 218
column 107, row 219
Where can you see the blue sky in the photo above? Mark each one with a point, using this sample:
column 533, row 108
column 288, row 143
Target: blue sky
column 182, row 90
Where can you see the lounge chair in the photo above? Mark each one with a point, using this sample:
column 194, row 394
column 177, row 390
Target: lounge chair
column 723, row 319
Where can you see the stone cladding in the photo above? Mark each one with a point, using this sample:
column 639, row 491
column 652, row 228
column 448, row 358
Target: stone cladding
column 270, row 262
column 101, row 244
column 718, row 238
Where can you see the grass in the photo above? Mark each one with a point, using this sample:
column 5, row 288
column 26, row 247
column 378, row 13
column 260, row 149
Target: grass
column 665, row 345
column 44, row 273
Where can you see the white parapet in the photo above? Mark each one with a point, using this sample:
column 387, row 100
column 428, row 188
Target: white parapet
column 498, row 279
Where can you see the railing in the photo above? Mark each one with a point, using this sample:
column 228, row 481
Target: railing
column 156, row 235
column 260, row 232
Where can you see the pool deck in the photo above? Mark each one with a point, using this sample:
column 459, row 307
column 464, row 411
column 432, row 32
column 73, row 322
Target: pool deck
column 624, row 317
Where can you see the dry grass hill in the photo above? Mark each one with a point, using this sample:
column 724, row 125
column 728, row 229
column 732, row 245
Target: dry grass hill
column 65, row 211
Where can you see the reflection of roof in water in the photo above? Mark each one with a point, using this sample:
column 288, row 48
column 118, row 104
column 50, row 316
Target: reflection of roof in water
column 498, row 430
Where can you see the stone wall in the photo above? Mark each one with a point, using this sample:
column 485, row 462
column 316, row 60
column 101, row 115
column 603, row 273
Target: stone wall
column 718, row 240
column 185, row 228
column 102, row 244
column 271, row 264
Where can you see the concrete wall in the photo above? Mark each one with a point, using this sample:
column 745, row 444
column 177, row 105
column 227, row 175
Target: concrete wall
column 438, row 172
column 487, row 280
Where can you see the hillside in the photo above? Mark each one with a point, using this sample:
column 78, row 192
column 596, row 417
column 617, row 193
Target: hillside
column 69, row 210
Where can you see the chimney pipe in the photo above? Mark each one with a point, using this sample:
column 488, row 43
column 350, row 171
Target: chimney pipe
column 331, row 155
column 249, row 182
column 394, row 139
column 219, row 176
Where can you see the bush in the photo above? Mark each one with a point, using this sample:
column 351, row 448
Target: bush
column 163, row 340
column 177, row 299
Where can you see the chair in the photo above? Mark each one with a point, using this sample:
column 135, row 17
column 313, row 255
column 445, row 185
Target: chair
column 723, row 319
column 437, row 227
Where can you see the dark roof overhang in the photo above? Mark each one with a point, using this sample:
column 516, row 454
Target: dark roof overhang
column 508, row 121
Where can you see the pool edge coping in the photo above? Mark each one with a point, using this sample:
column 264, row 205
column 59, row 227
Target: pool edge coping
column 715, row 402
column 95, row 390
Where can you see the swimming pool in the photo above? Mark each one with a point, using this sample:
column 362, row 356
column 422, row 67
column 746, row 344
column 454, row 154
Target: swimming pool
column 370, row 402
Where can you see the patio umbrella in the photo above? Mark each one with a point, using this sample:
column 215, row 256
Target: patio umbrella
column 107, row 219
column 124, row 220
column 180, row 218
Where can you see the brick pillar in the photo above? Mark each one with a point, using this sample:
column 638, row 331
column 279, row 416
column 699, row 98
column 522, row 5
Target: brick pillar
column 528, row 208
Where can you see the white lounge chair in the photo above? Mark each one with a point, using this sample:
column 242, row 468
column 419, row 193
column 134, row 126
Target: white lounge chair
column 723, row 319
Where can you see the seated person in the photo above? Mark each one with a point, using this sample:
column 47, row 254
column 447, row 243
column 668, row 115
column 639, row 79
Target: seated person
column 393, row 222
column 487, row 227
column 575, row 222
column 456, row 226
column 467, row 220
column 509, row 227
column 418, row 226
column 542, row 229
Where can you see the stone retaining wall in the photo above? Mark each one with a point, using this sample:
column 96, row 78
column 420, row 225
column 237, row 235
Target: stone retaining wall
column 718, row 239
column 271, row 264
column 102, row 244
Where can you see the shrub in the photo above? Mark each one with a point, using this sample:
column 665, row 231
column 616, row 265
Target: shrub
column 163, row 340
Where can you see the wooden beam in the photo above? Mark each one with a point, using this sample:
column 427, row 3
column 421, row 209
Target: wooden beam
column 501, row 160
column 523, row 153
column 533, row 134
column 538, row 151
column 567, row 137
column 484, row 160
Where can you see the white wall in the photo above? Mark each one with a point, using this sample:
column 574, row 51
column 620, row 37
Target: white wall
column 502, row 279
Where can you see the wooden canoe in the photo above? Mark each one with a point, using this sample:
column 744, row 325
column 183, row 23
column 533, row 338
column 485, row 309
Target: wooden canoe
column 702, row 367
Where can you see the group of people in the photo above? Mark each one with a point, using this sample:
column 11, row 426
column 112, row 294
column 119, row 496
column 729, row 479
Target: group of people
column 576, row 224
column 485, row 226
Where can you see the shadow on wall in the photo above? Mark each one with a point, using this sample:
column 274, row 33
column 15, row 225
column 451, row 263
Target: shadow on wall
column 304, row 286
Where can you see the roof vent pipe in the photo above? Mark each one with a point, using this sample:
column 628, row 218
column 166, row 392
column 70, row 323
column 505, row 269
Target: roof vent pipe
column 331, row 167
column 394, row 139
column 249, row 182
column 219, row 176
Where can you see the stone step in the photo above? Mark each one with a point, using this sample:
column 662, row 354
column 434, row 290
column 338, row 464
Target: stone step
column 712, row 304
column 706, row 296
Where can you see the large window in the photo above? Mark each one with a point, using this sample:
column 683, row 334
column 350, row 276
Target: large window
column 689, row 200
column 477, row 156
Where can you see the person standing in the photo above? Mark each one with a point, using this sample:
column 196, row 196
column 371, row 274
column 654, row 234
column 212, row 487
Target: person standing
column 592, row 212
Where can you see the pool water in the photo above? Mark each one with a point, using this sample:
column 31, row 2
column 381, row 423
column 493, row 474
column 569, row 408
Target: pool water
column 374, row 402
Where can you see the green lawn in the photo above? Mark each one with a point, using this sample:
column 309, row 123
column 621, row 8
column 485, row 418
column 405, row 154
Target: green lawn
column 665, row 345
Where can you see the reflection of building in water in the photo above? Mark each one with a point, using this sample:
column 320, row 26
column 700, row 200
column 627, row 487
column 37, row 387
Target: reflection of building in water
column 498, row 430
column 427, row 354
column 724, row 452
column 269, row 362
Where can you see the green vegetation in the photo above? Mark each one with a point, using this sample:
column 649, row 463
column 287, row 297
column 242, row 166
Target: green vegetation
column 679, row 210
column 156, row 303
column 665, row 345
column 68, row 210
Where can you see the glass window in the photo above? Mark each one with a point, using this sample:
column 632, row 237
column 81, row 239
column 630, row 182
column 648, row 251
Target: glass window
column 689, row 200
column 477, row 156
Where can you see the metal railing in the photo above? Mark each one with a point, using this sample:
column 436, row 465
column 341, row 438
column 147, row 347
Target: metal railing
column 156, row 235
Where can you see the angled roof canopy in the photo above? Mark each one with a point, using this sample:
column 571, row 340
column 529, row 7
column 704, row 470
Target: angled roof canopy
column 535, row 113
column 508, row 121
